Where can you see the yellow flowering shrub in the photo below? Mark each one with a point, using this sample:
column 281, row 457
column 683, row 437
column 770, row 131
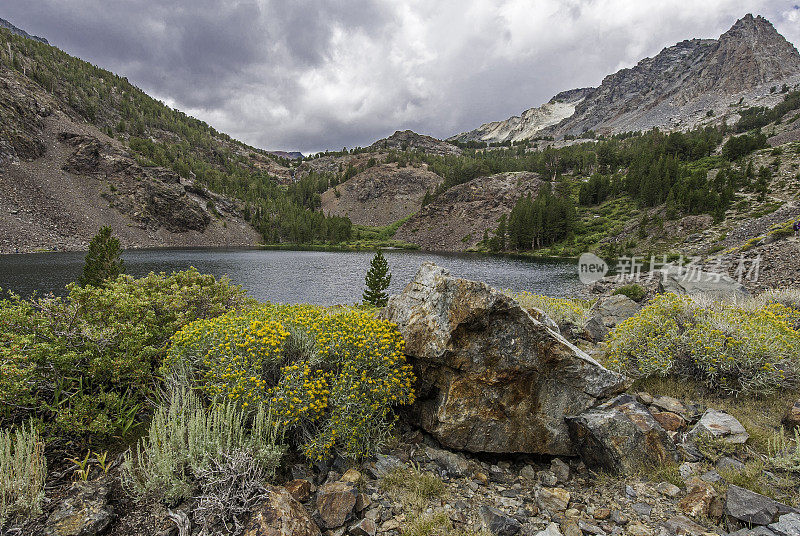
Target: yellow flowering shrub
column 330, row 375
column 734, row 348
column 561, row 310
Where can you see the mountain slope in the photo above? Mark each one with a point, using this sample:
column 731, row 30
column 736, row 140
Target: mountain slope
column 199, row 165
column 690, row 83
column 62, row 178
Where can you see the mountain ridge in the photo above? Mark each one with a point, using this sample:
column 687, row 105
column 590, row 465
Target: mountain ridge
column 684, row 85
column 20, row 32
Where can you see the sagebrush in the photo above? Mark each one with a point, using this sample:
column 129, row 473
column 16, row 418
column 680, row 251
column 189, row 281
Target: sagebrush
column 22, row 472
column 751, row 347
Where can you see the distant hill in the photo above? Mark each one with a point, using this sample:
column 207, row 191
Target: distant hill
column 694, row 82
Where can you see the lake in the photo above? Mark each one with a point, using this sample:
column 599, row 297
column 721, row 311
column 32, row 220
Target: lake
column 320, row 277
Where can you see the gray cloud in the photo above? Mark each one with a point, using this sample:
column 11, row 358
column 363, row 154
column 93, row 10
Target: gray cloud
column 316, row 74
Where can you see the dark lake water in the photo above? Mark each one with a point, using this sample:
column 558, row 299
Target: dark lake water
column 295, row 276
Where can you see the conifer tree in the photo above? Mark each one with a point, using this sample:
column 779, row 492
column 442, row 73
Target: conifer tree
column 102, row 260
column 377, row 281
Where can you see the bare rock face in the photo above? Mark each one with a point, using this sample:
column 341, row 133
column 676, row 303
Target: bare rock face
column 458, row 218
column 281, row 515
column 380, row 195
column 621, row 436
column 491, row 377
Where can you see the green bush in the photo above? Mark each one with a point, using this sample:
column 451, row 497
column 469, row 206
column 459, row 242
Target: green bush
column 22, row 471
column 86, row 362
column 747, row 348
column 632, row 291
column 331, row 375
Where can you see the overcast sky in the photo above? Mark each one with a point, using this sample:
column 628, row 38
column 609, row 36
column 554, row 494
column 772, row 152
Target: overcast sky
column 315, row 74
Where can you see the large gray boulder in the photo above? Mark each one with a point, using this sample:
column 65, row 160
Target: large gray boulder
column 491, row 378
column 685, row 280
column 621, row 436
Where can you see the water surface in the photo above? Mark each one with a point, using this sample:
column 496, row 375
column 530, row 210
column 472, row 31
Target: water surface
column 321, row 277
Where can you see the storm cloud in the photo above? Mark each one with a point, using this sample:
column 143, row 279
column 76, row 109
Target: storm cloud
column 315, row 74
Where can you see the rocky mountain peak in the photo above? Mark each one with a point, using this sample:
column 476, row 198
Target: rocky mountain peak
column 693, row 82
column 408, row 140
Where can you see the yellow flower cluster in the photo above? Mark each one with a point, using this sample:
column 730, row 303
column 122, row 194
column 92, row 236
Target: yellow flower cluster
column 733, row 348
column 333, row 374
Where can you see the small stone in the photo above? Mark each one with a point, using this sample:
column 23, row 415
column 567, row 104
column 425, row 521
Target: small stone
column 602, row 513
column 385, row 465
column 497, row 522
column 630, row 492
column 570, row 527
column 85, row 513
column 701, row 500
column 391, row 524
column 670, row 404
column 591, row 528
column 547, row 478
column 560, row 469
column 454, row 464
column 729, row 463
column 638, row 529
column 619, row 518
column 281, row 514
column 753, row 508
column 644, row 398
column 688, row 469
column 642, row 509
column 335, row 503
column 351, row 475
column 551, row 530
column 365, row 527
column 552, row 500
column 300, row 490
column 667, row 489
column 362, row 502
column 683, row 526
column 528, row 473
column 671, row 422
column 711, row 476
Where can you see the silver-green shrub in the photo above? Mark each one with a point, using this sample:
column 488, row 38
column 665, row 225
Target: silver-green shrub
column 187, row 442
column 22, row 472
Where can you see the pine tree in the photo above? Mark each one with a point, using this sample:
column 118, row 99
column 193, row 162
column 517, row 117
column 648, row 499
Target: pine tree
column 102, row 260
column 377, row 281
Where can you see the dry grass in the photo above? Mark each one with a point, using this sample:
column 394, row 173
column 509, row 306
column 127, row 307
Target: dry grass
column 412, row 487
column 438, row 524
